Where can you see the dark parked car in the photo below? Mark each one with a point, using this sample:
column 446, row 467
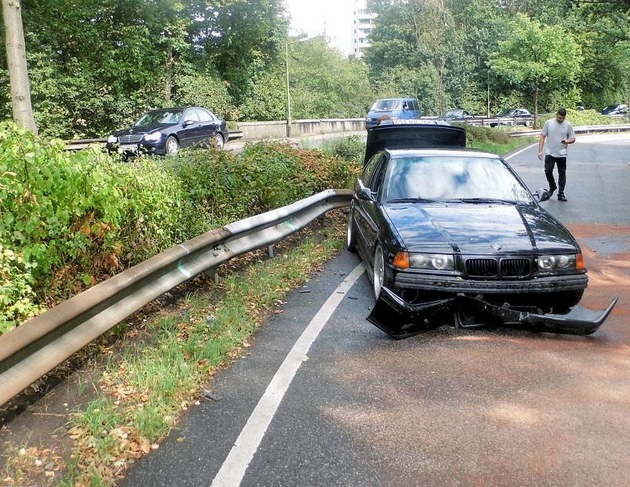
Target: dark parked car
column 451, row 235
column 164, row 131
column 456, row 115
column 512, row 117
column 617, row 110
column 392, row 109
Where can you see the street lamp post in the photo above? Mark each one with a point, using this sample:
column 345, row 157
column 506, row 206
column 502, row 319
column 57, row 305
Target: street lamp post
column 286, row 58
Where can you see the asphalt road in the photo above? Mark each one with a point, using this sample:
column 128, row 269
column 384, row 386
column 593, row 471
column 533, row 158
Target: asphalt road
column 324, row 398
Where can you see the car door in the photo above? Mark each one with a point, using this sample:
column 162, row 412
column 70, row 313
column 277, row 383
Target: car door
column 208, row 125
column 366, row 210
column 191, row 131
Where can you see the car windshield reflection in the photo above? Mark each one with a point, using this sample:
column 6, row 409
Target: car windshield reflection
column 471, row 180
column 160, row 116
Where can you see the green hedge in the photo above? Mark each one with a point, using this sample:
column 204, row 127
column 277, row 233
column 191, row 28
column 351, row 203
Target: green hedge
column 71, row 219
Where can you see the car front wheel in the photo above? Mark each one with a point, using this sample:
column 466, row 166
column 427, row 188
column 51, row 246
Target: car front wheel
column 378, row 271
column 172, row 146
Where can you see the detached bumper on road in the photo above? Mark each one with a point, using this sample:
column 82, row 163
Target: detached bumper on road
column 401, row 319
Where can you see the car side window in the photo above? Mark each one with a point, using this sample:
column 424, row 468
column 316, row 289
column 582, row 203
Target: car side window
column 370, row 168
column 372, row 176
column 191, row 115
column 204, row 116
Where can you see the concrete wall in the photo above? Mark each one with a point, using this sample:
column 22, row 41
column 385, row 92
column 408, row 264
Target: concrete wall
column 278, row 129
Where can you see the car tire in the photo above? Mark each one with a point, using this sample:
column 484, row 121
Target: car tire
column 378, row 271
column 172, row 146
column 351, row 233
column 217, row 141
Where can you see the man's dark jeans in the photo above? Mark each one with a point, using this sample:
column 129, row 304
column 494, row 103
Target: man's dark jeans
column 561, row 162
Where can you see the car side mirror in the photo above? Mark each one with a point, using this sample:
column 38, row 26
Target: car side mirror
column 542, row 195
column 188, row 122
column 366, row 194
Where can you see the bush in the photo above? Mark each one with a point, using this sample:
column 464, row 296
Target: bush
column 71, row 219
column 583, row 117
column 348, row 148
column 476, row 134
column 17, row 298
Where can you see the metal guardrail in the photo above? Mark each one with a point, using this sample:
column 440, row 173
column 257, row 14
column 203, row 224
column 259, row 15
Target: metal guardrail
column 584, row 129
column 85, row 143
column 32, row 350
column 523, row 123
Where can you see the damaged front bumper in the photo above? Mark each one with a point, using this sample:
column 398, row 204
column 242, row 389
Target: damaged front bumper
column 401, row 319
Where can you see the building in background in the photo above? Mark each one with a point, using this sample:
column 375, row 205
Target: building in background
column 363, row 23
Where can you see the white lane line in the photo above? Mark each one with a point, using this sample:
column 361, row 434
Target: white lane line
column 233, row 468
column 521, row 151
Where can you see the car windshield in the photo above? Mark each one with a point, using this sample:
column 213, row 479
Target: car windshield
column 160, row 116
column 386, row 105
column 505, row 112
column 468, row 179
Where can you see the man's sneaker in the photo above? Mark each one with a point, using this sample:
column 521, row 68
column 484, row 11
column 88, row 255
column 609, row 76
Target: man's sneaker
column 551, row 191
column 561, row 197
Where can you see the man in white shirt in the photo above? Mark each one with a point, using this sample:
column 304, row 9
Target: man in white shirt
column 558, row 133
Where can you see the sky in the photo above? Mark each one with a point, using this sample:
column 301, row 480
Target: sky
column 330, row 17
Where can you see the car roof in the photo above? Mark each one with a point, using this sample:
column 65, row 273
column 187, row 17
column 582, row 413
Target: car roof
column 413, row 134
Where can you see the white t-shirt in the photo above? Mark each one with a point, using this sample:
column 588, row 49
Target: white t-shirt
column 555, row 132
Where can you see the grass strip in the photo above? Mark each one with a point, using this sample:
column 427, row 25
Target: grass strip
column 162, row 367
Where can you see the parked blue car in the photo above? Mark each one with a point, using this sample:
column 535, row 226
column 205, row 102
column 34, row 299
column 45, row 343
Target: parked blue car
column 164, row 131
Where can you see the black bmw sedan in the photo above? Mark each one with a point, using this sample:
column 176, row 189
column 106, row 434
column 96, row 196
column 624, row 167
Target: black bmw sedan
column 164, row 131
column 447, row 232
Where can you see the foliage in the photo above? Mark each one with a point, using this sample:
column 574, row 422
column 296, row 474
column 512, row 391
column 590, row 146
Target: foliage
column 538, row 58
column 457, row 42
column 69, row 220
column 17, row 298
column 324, row 84
column 348, row 148
column 96, row 65
column 409, row 36
column 582, row 117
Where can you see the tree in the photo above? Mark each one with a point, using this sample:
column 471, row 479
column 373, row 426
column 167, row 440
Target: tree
column 421, row 36
column 536, row 57
column 16, row 62
column 324, row 84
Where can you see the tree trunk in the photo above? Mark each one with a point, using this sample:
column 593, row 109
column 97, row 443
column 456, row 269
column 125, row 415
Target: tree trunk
column 16, row 61
column 168, row 78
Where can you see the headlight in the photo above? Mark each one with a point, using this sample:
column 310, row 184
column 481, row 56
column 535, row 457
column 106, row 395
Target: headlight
column 562, row 262
column 112, row 139
column 433, row 262
column 154, row 137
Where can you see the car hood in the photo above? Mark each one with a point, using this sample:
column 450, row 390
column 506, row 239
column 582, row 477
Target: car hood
column 478, row 228
column 410, row 135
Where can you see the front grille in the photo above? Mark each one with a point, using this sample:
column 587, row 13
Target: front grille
column 482, row 267
column 129, row 139
column 517, row 267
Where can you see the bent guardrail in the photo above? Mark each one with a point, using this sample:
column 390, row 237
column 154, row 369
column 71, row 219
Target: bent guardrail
column 32, row 350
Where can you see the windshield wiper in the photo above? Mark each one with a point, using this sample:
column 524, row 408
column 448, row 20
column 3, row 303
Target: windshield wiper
column 410, row 200
column 481, row 200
